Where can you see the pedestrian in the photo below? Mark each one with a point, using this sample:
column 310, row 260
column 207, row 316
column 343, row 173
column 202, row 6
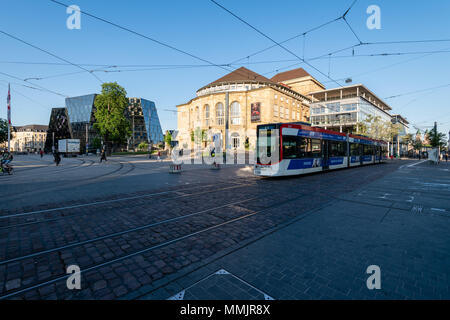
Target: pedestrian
column 103, row 156
column 57, row 157
column 446, row 156
column 41, row 152
column 159, row 155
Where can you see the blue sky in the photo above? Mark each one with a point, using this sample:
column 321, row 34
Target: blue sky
column 201, row 28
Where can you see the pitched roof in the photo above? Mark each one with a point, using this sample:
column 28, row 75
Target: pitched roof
column 240, row 75
column 32, row 127
column 291, row 74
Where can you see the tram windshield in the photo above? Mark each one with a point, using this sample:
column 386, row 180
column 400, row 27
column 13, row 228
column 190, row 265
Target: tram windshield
column 267, row 144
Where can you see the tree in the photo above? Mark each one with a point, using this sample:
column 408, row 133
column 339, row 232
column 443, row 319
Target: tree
column 110, row 120
column 437, row 139
column 3, row 130
column 168, row 140
column 143, row 146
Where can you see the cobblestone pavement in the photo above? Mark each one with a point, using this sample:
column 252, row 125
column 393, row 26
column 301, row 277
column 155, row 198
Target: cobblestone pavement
column 137, row 231
column 399, row 222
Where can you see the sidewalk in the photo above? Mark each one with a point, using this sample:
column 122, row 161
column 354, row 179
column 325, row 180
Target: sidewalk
column 400, row 223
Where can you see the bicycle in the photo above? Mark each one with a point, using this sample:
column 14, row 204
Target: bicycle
column 6, row 169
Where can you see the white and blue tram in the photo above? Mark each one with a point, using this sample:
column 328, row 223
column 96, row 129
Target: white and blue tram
column 304, row 149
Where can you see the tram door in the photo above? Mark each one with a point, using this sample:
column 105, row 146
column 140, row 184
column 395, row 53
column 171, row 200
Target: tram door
column 361, row 154
column 325, row 155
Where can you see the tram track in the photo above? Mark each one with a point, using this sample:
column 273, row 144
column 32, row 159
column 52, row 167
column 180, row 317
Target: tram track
column 295, row 188
column 176, row 239
column 107, row 202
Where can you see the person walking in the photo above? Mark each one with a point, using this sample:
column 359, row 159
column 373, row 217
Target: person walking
column 103, row 156
column 41, row 153
column 159, row 155
column 57, row 157
column 446, row 156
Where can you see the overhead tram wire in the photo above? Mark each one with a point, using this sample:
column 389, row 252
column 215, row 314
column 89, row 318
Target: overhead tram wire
column 299, row 35
column 225, row 67
column 145, row 37
column 38, row 87
column 49, row 53
column 266, row 36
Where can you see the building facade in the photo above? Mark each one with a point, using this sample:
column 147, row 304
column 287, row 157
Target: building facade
column 145, row 123
column 58, row 128
column 237, row 103
column 81, row 112
column 342, row 108
column 76, row 121
column 399, row 148
column 28, row 138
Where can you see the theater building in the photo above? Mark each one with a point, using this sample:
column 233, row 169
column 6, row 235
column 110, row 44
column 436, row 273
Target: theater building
column 241, row 100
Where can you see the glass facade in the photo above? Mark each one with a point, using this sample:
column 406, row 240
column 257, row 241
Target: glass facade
column 76, row 121
column 81, row 115
column 144, row 122
column 58, row 128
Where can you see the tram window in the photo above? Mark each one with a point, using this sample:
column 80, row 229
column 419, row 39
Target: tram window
column 354, row 149
column 290, row 147
column 316, row 148
column 337, row 149
column 368, row 150
column 304, row 147
column 264, row 145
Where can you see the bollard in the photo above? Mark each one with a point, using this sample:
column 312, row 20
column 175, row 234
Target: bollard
column 175, row 168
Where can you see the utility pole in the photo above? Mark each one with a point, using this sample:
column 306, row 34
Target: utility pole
column 227, row 112
column 87, row 138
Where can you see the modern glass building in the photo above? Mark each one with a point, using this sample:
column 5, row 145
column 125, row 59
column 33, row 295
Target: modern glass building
column 58, row 128
column 78, row 118
column 144, row 122
column 81, row 112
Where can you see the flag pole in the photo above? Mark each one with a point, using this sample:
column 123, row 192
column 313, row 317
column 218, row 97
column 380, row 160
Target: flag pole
column 9, row 118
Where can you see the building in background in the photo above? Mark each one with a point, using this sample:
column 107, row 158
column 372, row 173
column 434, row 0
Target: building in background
column 58, row 128
column 298, row 80
column 400, row 148
column 29, row 138
column 341, row 109
column 76, row 121
column 237, row 103
column 145, row 123
column 81, row 112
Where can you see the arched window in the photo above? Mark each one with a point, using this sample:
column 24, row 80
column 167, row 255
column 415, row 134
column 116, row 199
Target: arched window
column 235, row 113
column 207, row 115
column 220, row 114
column 197, row 113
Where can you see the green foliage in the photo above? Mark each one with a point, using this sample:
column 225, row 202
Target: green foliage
column 437, row 139
column 143, row 146
column 110, row 118
column 375, row 128
column 96, row 143
column 168, row 139
column 3, row 130
column 199, row 135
